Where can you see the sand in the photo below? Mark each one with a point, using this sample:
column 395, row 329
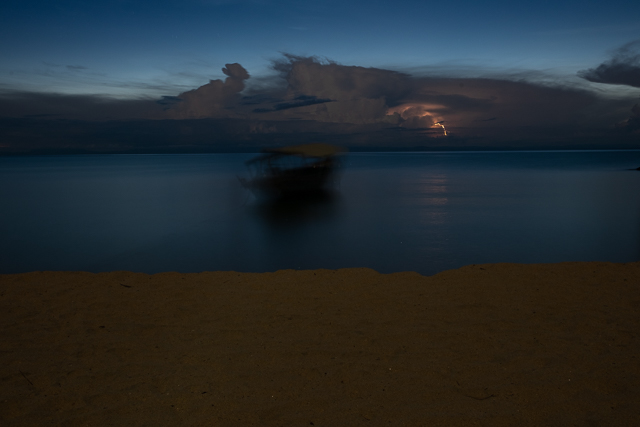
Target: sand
column 494, row 345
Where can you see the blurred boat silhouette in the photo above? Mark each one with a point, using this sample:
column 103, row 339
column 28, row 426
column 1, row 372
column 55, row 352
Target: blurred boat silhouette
column 292, row 170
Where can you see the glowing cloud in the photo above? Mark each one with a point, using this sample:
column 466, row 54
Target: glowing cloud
column 418, row 115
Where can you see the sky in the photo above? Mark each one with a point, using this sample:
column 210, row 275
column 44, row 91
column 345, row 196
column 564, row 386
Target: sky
column 208, row 75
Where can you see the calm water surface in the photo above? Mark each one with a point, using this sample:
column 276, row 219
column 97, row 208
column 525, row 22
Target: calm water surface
column 425, row 212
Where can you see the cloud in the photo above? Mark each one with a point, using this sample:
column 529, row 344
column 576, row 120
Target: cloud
column 314, row 99
column 76, row 107
column 631, row 124
column 308, row 88
column 360, row 95
column 329, row 79
column 76, row 67
column 622, row 69
column 215, row 99
column 320, row 90
column 299, row 101
column 168, row 100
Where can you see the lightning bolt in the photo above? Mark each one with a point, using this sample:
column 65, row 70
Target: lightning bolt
column 441, row 124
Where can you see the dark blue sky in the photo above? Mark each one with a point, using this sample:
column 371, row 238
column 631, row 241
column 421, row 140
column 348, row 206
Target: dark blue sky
column 138, row 50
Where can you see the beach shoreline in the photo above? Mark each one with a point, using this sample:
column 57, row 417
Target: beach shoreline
column 493, row 344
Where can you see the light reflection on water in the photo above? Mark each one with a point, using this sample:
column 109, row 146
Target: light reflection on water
column 392, row 212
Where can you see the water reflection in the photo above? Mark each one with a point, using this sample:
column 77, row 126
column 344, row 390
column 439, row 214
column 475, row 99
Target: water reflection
column 297, row 211
column 430, row 193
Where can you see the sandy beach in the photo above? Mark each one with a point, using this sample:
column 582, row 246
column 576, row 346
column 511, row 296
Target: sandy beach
column 495, row 345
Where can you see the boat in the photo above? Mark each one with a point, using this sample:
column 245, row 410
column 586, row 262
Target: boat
column 293, row 170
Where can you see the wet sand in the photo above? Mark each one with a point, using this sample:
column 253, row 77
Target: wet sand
column 495, row 345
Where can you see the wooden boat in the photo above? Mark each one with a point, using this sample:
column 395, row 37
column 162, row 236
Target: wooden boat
column 292, row 170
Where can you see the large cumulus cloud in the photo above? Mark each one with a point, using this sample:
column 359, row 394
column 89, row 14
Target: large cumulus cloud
column 319, row 90
column 308, row 98
column 358, row 95
column 215, row 99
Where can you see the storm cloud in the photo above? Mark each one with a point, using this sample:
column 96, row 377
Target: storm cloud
column 314, row 99
column 622, row 69
column 320, row 90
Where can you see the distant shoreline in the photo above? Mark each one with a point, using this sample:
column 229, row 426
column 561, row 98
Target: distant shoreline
column 350, row 150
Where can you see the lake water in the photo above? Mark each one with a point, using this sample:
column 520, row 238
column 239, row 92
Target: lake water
column 425, row 212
